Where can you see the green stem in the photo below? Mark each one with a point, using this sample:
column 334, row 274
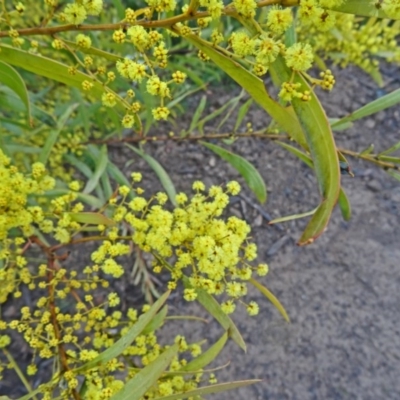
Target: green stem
column 17, row 369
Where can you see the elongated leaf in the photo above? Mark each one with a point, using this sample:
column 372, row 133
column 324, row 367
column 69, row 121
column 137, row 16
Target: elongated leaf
column 323, row 151
column 208, row 356
column 116, row 174
column 247, row 170
column 85, row 198
column 392, row 149
column 341, row 126
column 9, row 100
column 157, row 321
column 344, row 204
column 215, row 114
column 136, row 387
column 373, row 107
column 394, row 174
column 213, row 307
column 235, row 102
column 390, row 159
column 101, row 166
column 94, row 51
column 269, row 295
column 298, row 153
column 79, row 165
column 343, row 201
column 57, row 71
column 106, row 185
column 205, row 390
column 53, row 135
column 163, row 176
column 11, row 78
column 197, row 113
column 125, row 341
column 363, row 8
column 284, row 116
column 244, row 108
column 291, row 217
column 91, row 218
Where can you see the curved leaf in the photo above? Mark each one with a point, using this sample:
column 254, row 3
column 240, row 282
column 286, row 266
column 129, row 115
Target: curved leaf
column 323, row 151
column 247, row 170
column 270, row 296
column 11, row 78
column 213, row 307
column 208, row 356
column 284, row 116
column 291, row 217
column 373, row 107
column 120, row 345
column 101, row 165
column 136, row 387
column 91, row 218
column 57, row 71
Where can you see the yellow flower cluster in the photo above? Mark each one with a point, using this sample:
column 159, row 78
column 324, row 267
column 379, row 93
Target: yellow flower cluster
column 362, row 42
column 213, row 254
column 15, row 211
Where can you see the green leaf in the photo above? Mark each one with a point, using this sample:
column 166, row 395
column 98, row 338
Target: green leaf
column 57, row 71
column 125, row 341
column 208, row 356
column 136, row 387
column 79, row 165
column 213, row 307
column 392, row 149
column 197, row 113
column 244, row 108
column 267, row 293
column 363, row 8
column 247, row 170
column 101, row 166
column 53, row 135
column 156, row 322
column 284, row 116
column 339, row 127
column 291, row 217
column 85, row 198
column 9, row 100
column 298, row 153
column 163, row 176
column 91, row 218
column 373, row 107
column 11, row 78
column 205, row 390
column 344, row 204
column 394, row 174
column 322, row 148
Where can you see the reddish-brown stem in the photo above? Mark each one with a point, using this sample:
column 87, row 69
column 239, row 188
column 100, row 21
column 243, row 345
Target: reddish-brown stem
column 116, row 141
column 54, row 322
column 162, row 23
